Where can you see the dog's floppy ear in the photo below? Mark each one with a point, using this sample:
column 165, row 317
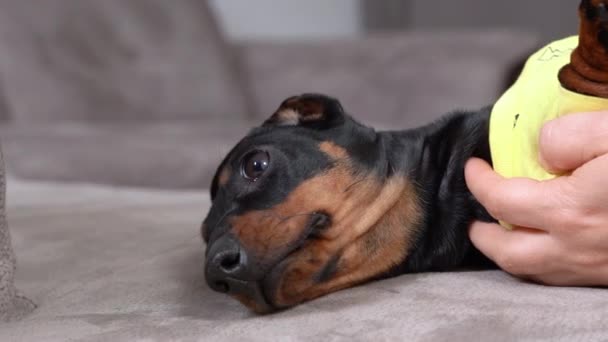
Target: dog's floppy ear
column 309, row 110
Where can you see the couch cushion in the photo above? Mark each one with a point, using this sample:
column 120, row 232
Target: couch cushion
column 166, row 155
column 13, row 305
column 116, row 59
column 402, row 79
column 109, row 264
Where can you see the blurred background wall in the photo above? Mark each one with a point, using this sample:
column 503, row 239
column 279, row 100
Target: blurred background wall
column 297, row 19
column 288, row 19
column 152, row 93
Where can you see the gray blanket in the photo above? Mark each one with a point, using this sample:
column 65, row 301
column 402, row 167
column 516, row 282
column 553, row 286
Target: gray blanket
column 116, row 264
column 13, row 305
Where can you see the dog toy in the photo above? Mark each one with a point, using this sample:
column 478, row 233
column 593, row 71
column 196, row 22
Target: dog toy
column 566, row 76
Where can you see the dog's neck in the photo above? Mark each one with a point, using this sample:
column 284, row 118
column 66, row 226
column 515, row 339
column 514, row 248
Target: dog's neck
column 433, row 158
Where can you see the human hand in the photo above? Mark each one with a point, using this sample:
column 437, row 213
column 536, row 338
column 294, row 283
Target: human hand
column 560, row 234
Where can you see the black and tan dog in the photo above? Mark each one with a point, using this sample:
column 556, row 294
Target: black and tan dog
column 313, row 202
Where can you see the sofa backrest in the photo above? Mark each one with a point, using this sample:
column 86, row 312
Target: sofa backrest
column 4, row 111
column 392, row 80
column 116, row 59
column 13, row 305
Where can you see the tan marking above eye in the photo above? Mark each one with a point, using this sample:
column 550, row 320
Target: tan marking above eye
column 364, row 211
column 263, row 231
column 333, row 150
column 224, row 176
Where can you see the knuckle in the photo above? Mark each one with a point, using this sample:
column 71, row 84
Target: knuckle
column 496, row 213
column 494, row 207
column 512, row 263
column 588, row 217
column 589, row 260
column 576, row 216
column 508, row 201
column 567, row 217
column 573, row 210
column 520, row 260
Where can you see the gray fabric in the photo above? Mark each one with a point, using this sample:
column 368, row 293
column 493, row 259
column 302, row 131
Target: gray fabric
column 13, row 305
column 116, row 59
column 402, row 79
column 385, row 15
column 113, row 264
column 161, row 155
column 4, row 115
column 119, row 264
column 387, row 81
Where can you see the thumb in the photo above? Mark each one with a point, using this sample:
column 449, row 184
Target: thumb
column 573, row 140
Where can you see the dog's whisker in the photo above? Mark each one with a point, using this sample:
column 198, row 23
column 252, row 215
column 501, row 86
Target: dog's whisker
column 352, row 185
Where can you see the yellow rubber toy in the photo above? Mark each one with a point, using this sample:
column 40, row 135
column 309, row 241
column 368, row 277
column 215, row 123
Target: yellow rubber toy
column 536, row 97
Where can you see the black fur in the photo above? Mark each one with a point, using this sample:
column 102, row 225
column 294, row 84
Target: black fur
column 437, row 154
column 431, row 157
column 591, row 12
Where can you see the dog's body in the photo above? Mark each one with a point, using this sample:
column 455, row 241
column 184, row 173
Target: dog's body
column 313, row 202
column 433, row 158
column 389, row 203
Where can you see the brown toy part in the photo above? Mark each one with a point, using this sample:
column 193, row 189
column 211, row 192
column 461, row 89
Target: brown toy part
column 587, row 72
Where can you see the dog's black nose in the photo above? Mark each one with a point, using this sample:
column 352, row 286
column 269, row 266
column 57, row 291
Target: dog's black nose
column 226, row 269
column 229, row 270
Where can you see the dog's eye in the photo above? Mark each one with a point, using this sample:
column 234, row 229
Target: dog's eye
column 255, row 164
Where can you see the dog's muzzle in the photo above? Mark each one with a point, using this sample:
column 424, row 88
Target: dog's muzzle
column 227, row 271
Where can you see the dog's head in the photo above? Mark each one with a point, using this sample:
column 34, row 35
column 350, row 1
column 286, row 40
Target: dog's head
column 305, row 205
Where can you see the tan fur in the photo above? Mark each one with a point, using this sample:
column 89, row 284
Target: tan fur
column 295, row 110
column 309, row 110
column 264, row 231
column 591, row 49
column 313, row 117
column 372, row 225
column 333, row 150
column 224, row 176
column 287, row 116
column 249, row 302
column 379, row 241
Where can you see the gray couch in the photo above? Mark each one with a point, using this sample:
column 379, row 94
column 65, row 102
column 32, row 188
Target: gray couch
column 107, row 91
column 103, row 99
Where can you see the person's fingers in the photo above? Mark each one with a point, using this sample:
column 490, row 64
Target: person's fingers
column 518, row 201
column 520, row 251
column 572, row 140
column 592, row 174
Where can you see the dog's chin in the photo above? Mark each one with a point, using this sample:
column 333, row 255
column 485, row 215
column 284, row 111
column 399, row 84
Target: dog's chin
column 272, row 285
column 260, row 295
column 269, row 286
column 256, row 301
